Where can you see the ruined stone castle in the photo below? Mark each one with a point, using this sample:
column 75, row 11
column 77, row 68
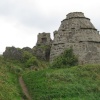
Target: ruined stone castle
column 77, row 32
column 41, row 50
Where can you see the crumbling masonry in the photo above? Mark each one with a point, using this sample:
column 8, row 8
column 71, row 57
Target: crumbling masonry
column 43, row 45
column 44, row 39
column 78, row 33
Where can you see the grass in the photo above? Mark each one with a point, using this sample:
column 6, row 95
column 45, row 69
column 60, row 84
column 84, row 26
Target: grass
column 9, row 86
column 75, row 83
column 10, row 70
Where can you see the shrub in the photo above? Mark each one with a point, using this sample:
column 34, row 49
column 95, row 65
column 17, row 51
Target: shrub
column 66, row 59
column 33, row 61
column 26, row 56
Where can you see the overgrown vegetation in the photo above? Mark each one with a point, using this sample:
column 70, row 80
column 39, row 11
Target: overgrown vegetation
column 70, row 82
column 67, row 59
column 26, row 56
column 36, row 63
column 75, row 83
column 10, row 71
column 9, row 85
column 29, row 60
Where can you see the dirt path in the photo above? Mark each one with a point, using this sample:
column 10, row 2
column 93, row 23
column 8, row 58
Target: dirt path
column 24, row 88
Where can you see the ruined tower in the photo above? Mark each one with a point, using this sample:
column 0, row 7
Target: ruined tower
column 77, row 32
column 44, row 39
column 43, row 45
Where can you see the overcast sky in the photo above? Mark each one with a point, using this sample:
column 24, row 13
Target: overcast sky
column 22, row 20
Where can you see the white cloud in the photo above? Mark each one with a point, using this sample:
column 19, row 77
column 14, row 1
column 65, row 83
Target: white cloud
column 12, row 33
column 22, row 20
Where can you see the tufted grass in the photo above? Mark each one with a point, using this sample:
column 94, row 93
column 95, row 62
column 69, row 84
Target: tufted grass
column 9, row 86
column 75, row 83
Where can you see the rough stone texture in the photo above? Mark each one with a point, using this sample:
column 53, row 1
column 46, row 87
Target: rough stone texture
column 44, row 39
column 42, row 53
column 16, row 53
column 43, row 45
column 77, row 32
column 13, row 53
column 41, row 50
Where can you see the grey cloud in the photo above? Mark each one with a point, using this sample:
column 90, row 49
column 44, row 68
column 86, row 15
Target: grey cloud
column 28, row 16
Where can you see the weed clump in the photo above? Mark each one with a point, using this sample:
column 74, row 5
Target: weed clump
column 67, row 59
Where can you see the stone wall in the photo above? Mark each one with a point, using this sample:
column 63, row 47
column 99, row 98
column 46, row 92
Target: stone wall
column 77, row 32
column 13, row 53
column 41, row 50
column 43, row 39
column 43, row 46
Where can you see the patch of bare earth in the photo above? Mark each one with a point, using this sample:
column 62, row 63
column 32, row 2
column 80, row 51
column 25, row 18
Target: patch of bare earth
column 24, row 88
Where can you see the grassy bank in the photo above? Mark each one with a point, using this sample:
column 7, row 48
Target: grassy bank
column 75, row 83
column 9, row 85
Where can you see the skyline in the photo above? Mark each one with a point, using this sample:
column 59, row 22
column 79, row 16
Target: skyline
column 22, row 20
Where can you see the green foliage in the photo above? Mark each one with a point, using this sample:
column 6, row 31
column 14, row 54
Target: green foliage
column 36, row 63
column 26, row 56
column 75, row 83
column 66, row 59
column 33, row 61
column 44, row 47
column 28, row 60
column 9, row 85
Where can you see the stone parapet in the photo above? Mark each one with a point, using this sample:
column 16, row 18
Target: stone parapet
column 75, row 14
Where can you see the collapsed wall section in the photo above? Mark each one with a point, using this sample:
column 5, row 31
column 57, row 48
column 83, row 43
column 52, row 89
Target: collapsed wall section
column 43, row 45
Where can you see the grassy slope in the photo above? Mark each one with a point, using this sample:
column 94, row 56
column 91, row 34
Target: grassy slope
column 75, row 83
column 9, row 88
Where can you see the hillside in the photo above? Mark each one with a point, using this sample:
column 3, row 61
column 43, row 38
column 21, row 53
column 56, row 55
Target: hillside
column 63, row 80
column 58, row 69
column 9, row 86
column 75, row 83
